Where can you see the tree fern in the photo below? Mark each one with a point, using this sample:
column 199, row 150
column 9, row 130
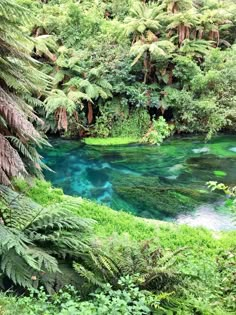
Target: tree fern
column 33, row 239
column 18, row 74
column 144, row 17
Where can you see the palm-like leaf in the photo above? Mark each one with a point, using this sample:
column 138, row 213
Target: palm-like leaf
column 18, row 74
column 57, row 99
column 187, row 18
column 178, row 5
column 196, row 48
column 32, row 238
column 156, row 49
column 10, row 161
column 143, row 18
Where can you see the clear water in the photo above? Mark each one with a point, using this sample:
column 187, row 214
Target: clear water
column 165, row 183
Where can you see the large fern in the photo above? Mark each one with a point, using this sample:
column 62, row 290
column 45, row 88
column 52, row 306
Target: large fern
column 19, row 79
column 34, row 240
column 154, row 268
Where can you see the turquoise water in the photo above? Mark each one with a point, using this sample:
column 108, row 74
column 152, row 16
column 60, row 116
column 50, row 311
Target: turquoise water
column 166, row 183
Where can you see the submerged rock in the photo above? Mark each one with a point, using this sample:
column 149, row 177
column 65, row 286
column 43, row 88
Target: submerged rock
column 176, row 168
column 97, row 177
column 201, row 150
column 172, row 177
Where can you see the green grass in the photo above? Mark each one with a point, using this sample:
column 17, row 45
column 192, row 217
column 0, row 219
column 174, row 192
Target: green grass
column 110, row 221
column 110, row 141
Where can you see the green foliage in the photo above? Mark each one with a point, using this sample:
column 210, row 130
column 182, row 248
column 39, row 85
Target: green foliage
column 34, row 239
column 40, row 191
column 196, row 115
column 158, row 132
column 185, row 69
column 152, row 268
column 106, row 55
column 198, row 283
column 135, row 125
column 128, row 299
column 110, row 141
column 21, row 81
column 229, row 191
column 175, row 55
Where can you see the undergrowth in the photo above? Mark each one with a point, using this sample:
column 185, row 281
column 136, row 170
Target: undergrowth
column 204, row 271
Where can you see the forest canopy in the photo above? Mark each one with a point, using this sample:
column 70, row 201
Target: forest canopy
column 111, row 68
column 122, row 62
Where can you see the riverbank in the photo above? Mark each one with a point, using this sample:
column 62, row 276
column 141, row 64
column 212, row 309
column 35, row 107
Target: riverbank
column 205, row 263
column 109, row 221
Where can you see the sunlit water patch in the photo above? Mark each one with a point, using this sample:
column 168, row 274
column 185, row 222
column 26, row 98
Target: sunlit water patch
column 165, row 183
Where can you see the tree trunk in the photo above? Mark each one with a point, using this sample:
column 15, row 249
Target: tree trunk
column 170, row 79
column 61, row 117
column 175, row 8
column 200, row 34
column 187, row 32
column 146, row 65
column 90, row 113
column 211, row 37
column 217, row 37
column 181, row 32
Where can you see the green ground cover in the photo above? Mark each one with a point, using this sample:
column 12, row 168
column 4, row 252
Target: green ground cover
column 208, row 261
column 110, row 141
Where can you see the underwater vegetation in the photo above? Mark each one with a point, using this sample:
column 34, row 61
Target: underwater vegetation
column 153, row 182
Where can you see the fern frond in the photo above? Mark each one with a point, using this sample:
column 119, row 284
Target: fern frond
column 45, row 261
column 59, row 99
column 21, row 148
column 10, row 161
column 37, row 237
column 45, row 44
column 88, row 275
column 17, row 269
column 19, row 74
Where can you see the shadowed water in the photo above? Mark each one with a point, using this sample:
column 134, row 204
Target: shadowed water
column 166, row 183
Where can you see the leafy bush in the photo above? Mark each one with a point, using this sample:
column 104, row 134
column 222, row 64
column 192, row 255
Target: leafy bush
column 158, row 131
column 133, row 125
column 128, row 299
column 229, row 191
column 184, row 62
column 152, row 267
